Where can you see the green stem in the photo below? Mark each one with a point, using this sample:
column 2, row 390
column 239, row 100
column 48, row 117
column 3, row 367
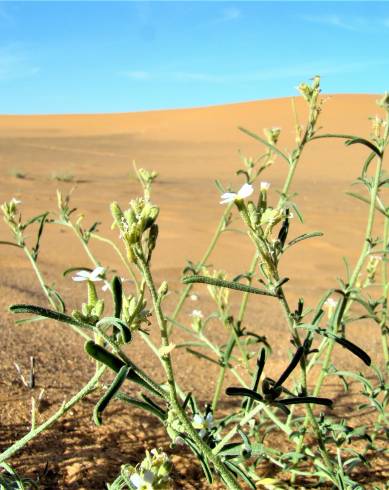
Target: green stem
column 226, row 475
column 39, row 276
column 220, row 380
column 246, row 295
column 385, row 287
column 153, row 347
column 85, row 245
column 88, row 388
column 369, row 228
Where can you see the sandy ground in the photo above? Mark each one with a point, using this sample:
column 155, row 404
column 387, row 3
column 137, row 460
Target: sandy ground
column 189, row 148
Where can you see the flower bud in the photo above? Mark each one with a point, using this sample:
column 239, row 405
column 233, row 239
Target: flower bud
column 272, row 135
column 163, row 289
column 117, row 214
column 384, row 102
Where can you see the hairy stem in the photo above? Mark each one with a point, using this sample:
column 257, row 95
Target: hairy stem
column 225, row 474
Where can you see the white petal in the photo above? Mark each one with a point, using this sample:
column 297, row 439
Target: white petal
column 79, row 278
column 209, row 418
column 198, row 420
column 228, row 197
column 95, row 273
column 148, row 476
column 245, row 191
column 84, row 274
column 197, row 314
column 265, row 186
column 136, row 480
column 105, row 287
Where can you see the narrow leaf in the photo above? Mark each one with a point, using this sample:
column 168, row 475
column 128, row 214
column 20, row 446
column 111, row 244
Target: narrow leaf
column 238, row 391
column 141, row 404
column 367, row 163
column 74, row 269
column 35, row 219
column 226, row 284
column 35, row 249
column 367, row 201
column 119, row 325
column 200, row 355
column 266, row 143
column 260, row 365
column 239, row 472
column 364, row 142
column 357, row 351
column 4, row 242
column 305, row 236
column 306, row 399
column 45, row 312
column 296, row 359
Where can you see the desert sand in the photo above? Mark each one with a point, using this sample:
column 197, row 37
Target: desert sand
column 189, row 149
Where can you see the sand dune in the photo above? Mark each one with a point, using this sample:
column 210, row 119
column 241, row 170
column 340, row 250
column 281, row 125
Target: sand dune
column 189, row 148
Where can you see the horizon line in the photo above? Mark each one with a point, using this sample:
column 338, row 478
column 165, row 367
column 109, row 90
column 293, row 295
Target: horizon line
column 170, row 109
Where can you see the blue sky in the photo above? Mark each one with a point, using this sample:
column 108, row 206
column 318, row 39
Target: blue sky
column 82, row 57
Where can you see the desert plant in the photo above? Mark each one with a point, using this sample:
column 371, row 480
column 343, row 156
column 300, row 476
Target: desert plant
column 19, row 174
column 231, row 445
column 63, row 176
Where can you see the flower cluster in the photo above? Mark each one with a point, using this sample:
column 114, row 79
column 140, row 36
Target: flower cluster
column 152, row 473
column 134, row 222
column 9, row 210
column 203, row 423
column 261, row 220
column 135, row 312
column 272, row 135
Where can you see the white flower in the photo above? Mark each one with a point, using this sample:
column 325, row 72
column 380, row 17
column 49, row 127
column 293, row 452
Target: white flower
column 142, row 482
column 376, row 257
column 245, row 191
column 330, row 303
column 265, row 186
column 15, row 201
column 194, row 297
column 89, row 276
column 197, row 314
column 204, row 424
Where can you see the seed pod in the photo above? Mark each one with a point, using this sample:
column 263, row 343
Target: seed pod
column 283, row 233
column 102, row 404
column 153, row 235
column 117, row 292
column 113, row 362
